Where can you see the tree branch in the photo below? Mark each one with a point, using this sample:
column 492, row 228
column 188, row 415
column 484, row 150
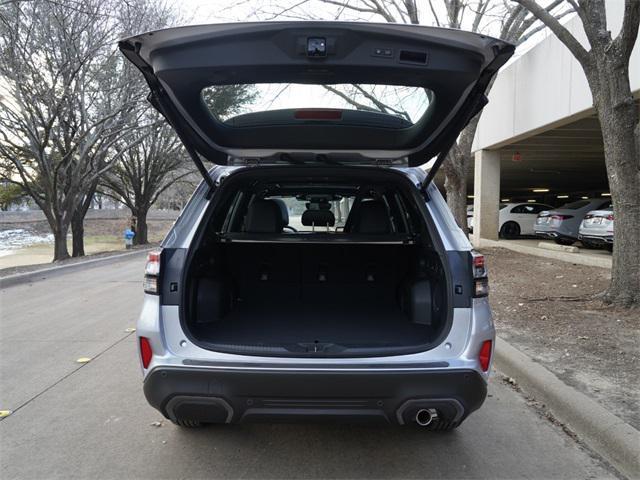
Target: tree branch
column 559, row 30
column 626, row 39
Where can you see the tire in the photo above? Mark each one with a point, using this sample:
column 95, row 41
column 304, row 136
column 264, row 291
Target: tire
column 510, row 230
column 187, row 423
column 609, row 246
column 590, row 245
column 564, row 241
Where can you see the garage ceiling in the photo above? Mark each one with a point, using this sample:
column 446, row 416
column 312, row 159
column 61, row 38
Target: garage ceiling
column 567, row 160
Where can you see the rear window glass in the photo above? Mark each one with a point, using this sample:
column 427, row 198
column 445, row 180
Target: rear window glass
column 575, row 205
column 297, row 206
column 228, row 101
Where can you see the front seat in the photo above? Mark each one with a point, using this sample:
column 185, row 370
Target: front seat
column 265, row 216
column 372, row 218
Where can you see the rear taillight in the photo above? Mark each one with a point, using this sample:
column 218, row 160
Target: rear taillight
column 152, row 273
column 561, row 217
column 484, row 357
column 480, row 280
column 145, row 351
column 479, row 269
column 586, row 217
column 610, row 217
column 481, row 287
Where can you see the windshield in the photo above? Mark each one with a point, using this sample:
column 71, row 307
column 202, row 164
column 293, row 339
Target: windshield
column 407, row 103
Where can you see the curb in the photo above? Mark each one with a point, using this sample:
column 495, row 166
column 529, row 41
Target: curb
column 601, row 261
column 611, row 437
column 558, row 248
column 43, row 273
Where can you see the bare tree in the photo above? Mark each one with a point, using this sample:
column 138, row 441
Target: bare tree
column 155, row 160
column 605, row 61
column 509, row 22
column 145, row 171
column 64, row 104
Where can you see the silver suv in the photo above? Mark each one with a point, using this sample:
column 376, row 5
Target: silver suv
column 317, row 272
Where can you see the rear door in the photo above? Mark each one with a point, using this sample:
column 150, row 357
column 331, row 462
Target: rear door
column 363, row 82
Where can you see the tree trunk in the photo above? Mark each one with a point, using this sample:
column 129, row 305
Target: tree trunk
column 60, row 250
column 455, row 183
column 618, row 117
column 141, row 226
column 77, row 222
column 77, row 235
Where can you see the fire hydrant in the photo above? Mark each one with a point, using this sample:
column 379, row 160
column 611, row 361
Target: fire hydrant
column 128, row 238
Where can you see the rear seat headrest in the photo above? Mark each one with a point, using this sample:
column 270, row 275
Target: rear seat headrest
column 318, row 218
column 264, row 216
column 284, row 211
column 372, row 217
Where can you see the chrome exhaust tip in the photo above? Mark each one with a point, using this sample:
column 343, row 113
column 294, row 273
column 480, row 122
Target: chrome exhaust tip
column 424, row 416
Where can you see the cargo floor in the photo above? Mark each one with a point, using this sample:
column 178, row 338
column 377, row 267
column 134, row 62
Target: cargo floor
column 355, row 326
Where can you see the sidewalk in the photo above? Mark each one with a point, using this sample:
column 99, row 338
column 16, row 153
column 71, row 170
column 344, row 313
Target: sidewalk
column 608, row 435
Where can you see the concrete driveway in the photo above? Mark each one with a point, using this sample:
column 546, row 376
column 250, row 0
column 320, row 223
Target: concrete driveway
column 87, row 421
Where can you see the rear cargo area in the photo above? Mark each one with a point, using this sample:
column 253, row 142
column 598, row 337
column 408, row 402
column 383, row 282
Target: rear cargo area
column 323, row 261
column 309, row 298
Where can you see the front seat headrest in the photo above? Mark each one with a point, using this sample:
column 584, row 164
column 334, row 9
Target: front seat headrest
column 373, row 217
column 264, row 216
column 318, row 218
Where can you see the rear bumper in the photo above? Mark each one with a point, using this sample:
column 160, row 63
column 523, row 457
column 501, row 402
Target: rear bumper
column 235, row 396
column 552, row 235
column 600, row 239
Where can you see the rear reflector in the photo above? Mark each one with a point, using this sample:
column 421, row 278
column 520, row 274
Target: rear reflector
column 318, row 114
column 145, row 351
column 485, row 355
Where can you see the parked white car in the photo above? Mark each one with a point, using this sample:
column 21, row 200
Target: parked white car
column 515, row 219
column 596, row 229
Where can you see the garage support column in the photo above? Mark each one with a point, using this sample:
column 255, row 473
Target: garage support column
column 486, row 195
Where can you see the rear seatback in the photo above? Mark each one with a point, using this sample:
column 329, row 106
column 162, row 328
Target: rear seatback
column 314, row 272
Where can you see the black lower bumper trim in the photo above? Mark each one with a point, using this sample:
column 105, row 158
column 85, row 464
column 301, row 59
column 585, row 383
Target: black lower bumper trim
column 233, row 396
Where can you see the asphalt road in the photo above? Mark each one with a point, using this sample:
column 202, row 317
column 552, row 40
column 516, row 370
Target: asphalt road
column 85, row 421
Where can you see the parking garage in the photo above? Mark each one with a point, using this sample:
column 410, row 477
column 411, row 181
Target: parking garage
column 539, row 139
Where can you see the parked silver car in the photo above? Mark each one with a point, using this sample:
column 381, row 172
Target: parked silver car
column 596, row 230
column 247, row 317
column 562, row 224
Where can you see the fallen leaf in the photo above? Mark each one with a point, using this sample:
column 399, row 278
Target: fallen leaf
column 130, row 330
column 5, row 413
column 83, row 360
column 156, row 424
